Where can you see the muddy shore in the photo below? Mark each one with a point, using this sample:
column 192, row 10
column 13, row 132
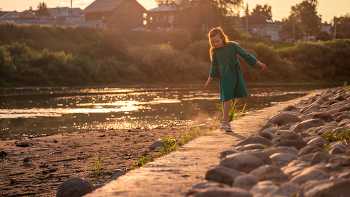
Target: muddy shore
column 38, row 170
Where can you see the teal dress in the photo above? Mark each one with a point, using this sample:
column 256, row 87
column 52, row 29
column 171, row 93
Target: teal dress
column 226, row 67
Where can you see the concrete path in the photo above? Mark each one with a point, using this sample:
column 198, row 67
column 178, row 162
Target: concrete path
column 176, row 173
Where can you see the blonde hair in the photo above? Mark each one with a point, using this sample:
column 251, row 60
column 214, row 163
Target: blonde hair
column 214, row 32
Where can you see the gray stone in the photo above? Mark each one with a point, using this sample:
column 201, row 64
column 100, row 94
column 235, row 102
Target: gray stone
column 289, row 170
column 250, row 147
column 320, row 157
column 242, row 162
column 210, row 184
column 271, row 130
column 245, row 181
column 306, row 158
column 156, row 144
column 263, row 156
column 287, row 136
column 263, row 188
column 117, row 173
column 339, row 130
column 344, row 108
column 298, row 144
column 303, row 126
column 224, row 154
column 309, row 174
column 283, row 157
column 345, row 175
column 266, row 135
column 326, row 129
column 268, row 125
column 267, row 172
column 312, row 186
column 281, row 132
column 327, row 117
column 217, row 191
column 222, row 175
column 337, row 148
column 289, row 108
column 340, row 160
column 334, row 189
column 345, row 122
column 23, row 144
column 318, row 142
column 287, row 190
column 281, row 149
column 74, row 187
column 308, row 139
column 287, row 126
column 309, row 149
column 310, row 108
column 255, row 140
column 281, row 119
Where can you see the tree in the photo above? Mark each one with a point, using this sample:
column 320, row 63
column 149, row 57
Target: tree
column 42, row 10
column 287, row 27
column 323, row 36
column 265, row 11
column 306, row 13
column 342, row 26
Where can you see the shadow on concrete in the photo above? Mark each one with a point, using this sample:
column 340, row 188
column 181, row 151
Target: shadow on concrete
column 241, row 137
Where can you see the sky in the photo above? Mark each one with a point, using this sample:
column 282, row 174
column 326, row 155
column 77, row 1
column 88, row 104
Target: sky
column 280, row 8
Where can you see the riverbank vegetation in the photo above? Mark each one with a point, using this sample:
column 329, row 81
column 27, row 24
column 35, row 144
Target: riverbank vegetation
column 77, row 56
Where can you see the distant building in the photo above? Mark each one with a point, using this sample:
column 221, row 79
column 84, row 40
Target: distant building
column 325, row 27
column 67, row 13
column 103, row 10
column 261, row 27
column 164, row 16
column 9, row 15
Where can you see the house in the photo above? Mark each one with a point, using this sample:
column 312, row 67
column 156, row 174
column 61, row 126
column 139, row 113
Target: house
column 129, row 12
column 325, row 27
column 69, row 14
column 9, row 15
column 164, row 16
column 260, row 27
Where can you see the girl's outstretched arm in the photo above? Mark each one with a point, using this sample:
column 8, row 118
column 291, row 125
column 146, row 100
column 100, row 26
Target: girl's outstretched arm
column 262, row 65
column 206, row 85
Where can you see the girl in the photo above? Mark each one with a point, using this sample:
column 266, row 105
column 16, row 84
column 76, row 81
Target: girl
column 225, row 66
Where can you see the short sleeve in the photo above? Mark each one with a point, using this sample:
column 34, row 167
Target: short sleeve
column 248, row 58
column 214, row 69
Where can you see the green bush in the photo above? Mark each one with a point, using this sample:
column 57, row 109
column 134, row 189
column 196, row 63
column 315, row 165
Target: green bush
column 199, row 50
column 178, row 38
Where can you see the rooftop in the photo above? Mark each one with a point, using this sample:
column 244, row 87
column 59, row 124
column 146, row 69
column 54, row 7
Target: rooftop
column 102, row 6
column 165, row 7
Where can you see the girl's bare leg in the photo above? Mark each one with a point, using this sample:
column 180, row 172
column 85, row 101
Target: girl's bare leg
column 226, row 107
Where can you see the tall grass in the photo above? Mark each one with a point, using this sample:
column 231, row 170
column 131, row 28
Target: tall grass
column 234, row 113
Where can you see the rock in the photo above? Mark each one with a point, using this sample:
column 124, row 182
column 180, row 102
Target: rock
column 271, row 130
column 255, row 140
column 339, row 130
column 242, row 162
column 327, row 117
column 156, row 144
column 209, row 184
column 289, row 170
column 222, row 175
column 309, row 149
column 74, row 187
column 337, row 148
column 318, row 142
column 298, row 144
column 287, row 126
column 266, row 135
column 306, row 158
column 263, row 188
column 289, row 108
column 224, row 154
column 326, row 129
column 310, row 108
column 250, row 147
column 26, row 159
column 287, row 190
column 97, row 186
column 302, row 126
column 48, row 171
column 309, row 174
column 342, row 117
column 263, row 156
column 308, row 139
column 335, row 189
column 245, row 181
column 3, row 154
column 268, row 125
column 283, row 118
column 217, row 191
column 282, row 132
column 320, row 157
column 281, row 149
column 127, row 138
column 102, row 135
column 287, row 136
column 42, row 149
column 344, row 108
column 345, row 122
column 117, row 173
column 23, row 144
column 267, row 172
column 312, row 186
column 340, row 160
column 283, row 157
column 55, row 141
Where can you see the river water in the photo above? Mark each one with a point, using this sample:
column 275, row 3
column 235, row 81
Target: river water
column 40, row 111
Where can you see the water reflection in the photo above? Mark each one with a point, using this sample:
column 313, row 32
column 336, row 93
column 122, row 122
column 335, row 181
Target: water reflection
column 52, row 110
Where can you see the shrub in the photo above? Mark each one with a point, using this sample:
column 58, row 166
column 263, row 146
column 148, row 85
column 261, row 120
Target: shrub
column 178, row 38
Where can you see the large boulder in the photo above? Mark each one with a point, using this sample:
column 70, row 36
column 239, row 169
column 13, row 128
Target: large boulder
column 74, row 187
column 303, row 126
column 281, row 149
column 320, row 157
column 283, row 118
column 255, row 140
column 224, row 153
column 327, row 117
column 242, row 162
column 318, row 142
column 287, row 136
column 283, row 157
column 245, row 181
column 267, row 172
column 287, row 189
column 335, row 189
column 298, row 144
column 309, row 149
column 250, row 147
column 309, row 174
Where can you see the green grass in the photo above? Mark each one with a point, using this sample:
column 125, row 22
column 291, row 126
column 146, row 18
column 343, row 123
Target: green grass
column 338, row 137
column 97, row 161
column 326, row 148
column 346, row 86
column 234, row 113
column 75, row 145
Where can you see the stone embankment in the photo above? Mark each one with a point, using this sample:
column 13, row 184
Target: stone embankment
column 302, row 151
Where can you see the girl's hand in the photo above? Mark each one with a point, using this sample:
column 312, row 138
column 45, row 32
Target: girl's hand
column 262, row 65
column 206, row 85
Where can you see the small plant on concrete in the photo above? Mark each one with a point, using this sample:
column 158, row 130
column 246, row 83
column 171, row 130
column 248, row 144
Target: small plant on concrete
column 97, row 167
column 141, row 162
column 338, row 137
column 192, row 133
column 74, row 145
column 169, row 146
column 234, row 113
